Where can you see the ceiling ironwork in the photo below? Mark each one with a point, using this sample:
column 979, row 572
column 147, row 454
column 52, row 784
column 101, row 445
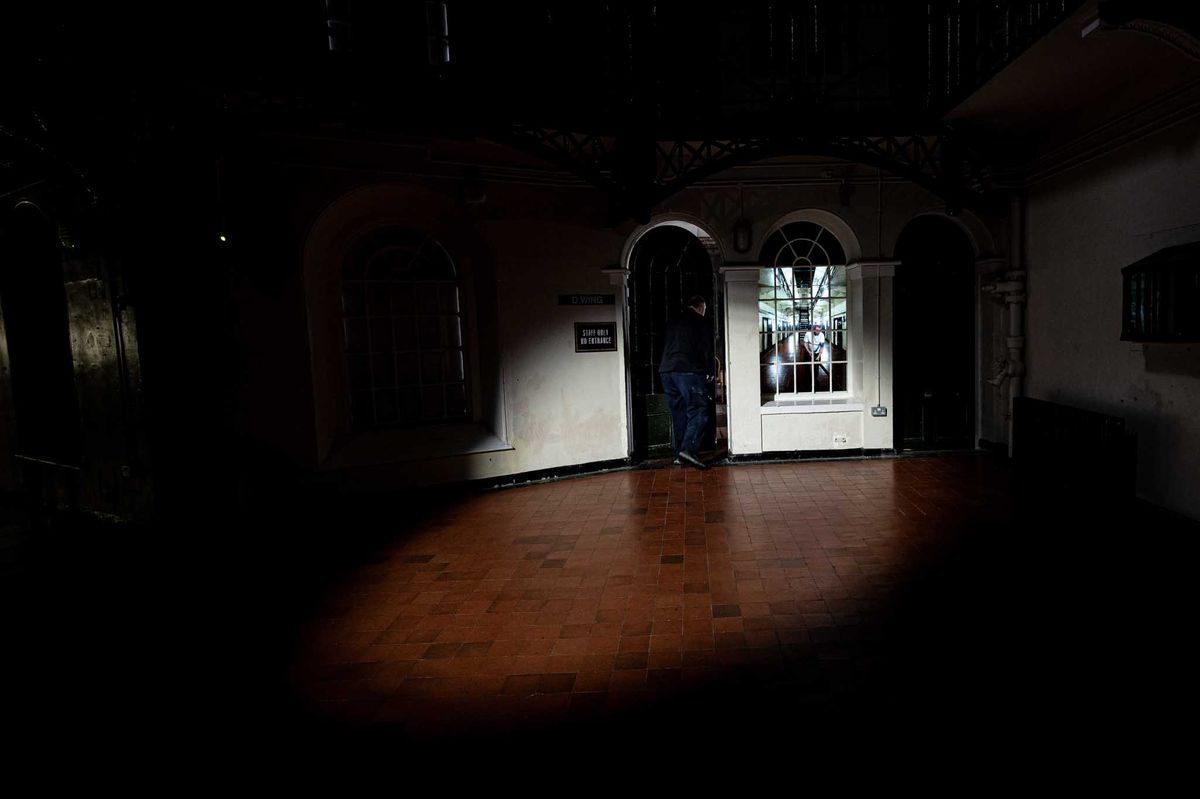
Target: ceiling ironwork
column 638, row 177
column 640, row 99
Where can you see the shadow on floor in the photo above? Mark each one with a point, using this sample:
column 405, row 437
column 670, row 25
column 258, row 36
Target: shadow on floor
column 1058, row 630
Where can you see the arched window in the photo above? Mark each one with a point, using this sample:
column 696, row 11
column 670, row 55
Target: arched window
column 402, row 311
column 802, row 285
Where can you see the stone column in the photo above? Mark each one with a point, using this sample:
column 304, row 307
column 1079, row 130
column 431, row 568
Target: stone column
column 742, row 367
column 619, row 278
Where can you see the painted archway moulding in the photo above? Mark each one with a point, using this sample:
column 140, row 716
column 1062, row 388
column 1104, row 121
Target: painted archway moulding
column 827, row 219
column 707, row 226
column 978, row 234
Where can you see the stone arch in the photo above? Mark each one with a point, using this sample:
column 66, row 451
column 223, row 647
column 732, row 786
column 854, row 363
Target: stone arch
column 835, row 224
column 982, row 242
column 680, row 218
column 331, row 238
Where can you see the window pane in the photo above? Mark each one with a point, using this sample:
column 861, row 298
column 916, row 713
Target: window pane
column 381, row 335
column 804, row 283
column 353, row 303
column 839, row 377
column 384, row 370
column 378, row 303
column 456, row 400
column 804, row 377
column 790, row 349
column 766, row 284
column 406, row 333
column 785, row 282
column 356, row 335
column 785, row 378
column 821, row 281
column 454, row 366
column 838, row 283
column 402, row 299
column 362, row 408
column 385, row 405
column 431, row 367
column 452, row 331
column 837, row 336
column 448, row 299
column 792, row 315
column 432, row 403
column 768, row 381
column 360, row 371
column 431, row 332
column 427, row 298
column 408, row 404
column 821, row 314
column 406, row 368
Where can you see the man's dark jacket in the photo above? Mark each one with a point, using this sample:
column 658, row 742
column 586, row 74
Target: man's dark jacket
column 688, row 347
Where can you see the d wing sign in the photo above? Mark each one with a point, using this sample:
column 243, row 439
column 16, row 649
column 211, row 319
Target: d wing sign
column 587, row 299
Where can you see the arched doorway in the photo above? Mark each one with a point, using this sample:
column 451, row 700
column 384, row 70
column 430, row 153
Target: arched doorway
column 34, row 307
column 669, row 263
column 934, row 335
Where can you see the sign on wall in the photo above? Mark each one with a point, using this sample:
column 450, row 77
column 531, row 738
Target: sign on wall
column 595, row 336
column 587, row 299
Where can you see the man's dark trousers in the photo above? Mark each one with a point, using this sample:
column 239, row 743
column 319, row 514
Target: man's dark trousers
column 688, row 401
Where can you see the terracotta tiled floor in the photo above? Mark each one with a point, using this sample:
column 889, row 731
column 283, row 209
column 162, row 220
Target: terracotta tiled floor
column 741, row 617
column 618, row 598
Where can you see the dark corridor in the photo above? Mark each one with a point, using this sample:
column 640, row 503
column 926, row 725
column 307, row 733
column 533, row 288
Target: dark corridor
column 669, row 264
column 934, row 337
column 35, row 332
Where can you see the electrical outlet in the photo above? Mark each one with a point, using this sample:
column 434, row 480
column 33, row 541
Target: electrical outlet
column 878, row 410
column 839, row 438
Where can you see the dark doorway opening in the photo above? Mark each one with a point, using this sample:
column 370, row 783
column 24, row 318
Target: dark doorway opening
column 34, row 306
column 934, row 337
column 668, row 265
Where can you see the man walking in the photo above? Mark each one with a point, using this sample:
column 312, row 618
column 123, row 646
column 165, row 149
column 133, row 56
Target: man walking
column 685, row 368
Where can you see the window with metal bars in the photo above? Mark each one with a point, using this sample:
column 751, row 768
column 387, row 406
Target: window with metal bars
column 402, row 316
column 803, row 313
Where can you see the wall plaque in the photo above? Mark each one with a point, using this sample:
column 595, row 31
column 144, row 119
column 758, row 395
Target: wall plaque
column 595, row 336
column 587, row 299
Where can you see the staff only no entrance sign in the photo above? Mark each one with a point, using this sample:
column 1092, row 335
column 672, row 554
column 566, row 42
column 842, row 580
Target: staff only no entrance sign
column 595, row 336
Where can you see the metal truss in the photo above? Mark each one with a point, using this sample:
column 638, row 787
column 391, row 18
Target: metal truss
column 638, row 174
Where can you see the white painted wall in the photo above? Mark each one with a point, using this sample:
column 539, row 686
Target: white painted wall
column 562, row 407
column 547, row 406
column 874, row 383
column 1082, row 228
column 550, row 407
column 790, row 432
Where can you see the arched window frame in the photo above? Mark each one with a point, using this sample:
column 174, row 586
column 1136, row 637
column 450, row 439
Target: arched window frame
column 789, row 304
column 405, row 344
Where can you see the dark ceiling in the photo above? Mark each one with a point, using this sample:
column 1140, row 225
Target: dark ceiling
column 94, row 86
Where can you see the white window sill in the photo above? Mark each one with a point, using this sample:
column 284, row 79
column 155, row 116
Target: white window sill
column 813, row 405
column 398, row 445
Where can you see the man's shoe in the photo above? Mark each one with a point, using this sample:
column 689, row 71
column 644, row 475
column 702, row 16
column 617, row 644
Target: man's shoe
column 692, row 459
column 676, row 462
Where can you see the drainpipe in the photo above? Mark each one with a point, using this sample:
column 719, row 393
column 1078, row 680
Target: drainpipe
column 1010, row 290
column 1015, row 298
